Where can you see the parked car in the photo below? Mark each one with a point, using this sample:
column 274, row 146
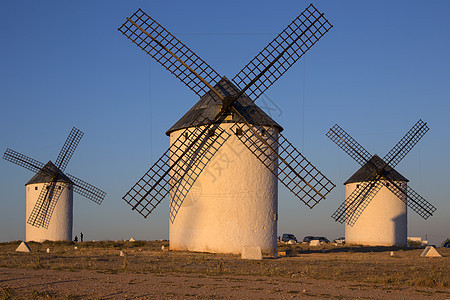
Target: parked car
column 340, row 240
column 288, row 237
column 308, row 238
column 446, row 244
column 322, row 239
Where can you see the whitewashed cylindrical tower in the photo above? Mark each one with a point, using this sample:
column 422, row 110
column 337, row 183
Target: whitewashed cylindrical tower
column 384, row 221
column 234, row 201
column 60, row 225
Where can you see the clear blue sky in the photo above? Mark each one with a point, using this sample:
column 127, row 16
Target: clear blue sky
column 383, row 66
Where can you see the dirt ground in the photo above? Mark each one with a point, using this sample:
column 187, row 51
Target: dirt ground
column 97, row 271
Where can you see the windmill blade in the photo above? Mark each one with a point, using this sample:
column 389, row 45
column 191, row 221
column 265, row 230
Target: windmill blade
column 178, row 169
column 69, row 147
column 39, row 211
column 45, row 204
column 416, row 202
column 350, row 210
column 186, row 174
column 348, row 206
column 406, row 143
column 349, row 145
column 171, row 53
column 151, row 189
column 277, row 57
column 22, row 160
column 284, row 161
column 340, row 214
column 87, row 190
column 361, row 204
column 56, row 193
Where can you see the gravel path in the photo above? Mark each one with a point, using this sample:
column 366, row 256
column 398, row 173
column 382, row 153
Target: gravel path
column 90, row 284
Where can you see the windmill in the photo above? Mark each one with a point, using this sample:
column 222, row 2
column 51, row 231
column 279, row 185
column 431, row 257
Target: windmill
column 49, row 193
column 216, row 209
column 377, row 183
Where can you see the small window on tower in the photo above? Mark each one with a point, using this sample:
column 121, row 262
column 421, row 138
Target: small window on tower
column 211, row 132
column 36, row 188
column 357, row 186
column 239, row 131
column 186, row 135
column 263, row 132
column 59, row 187
column 387, row 184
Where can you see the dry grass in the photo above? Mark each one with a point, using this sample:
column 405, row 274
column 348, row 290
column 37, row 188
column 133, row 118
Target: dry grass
column 361, row 265
column 7, row 293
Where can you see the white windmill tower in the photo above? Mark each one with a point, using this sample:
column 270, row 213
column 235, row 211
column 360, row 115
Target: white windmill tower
column 49, row 194
column 216, row 207
column 236, row 198
column 384, row 221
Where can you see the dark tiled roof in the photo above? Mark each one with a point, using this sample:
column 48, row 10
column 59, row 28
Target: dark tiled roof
column 366, row 173
column 46, row 175
column 209, row 106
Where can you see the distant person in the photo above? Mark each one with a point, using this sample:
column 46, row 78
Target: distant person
column 81, row 236
column 76, row 239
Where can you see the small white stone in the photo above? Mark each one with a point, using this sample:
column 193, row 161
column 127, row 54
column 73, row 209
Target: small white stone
column 314, row 243
column 430, row 251
column 23, row 247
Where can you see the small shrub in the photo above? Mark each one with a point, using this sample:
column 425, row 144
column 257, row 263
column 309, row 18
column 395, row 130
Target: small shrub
column 11, row 243
column 414, row 243
column 37, row 262
column 220, row 267
column 40, row 294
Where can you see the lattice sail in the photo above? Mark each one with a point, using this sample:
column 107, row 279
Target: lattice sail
column 406, row 143
column 87, row 190
column 283, row 51
column 68, row 149
column 45, row 204
column 194, row 161
column 178, row 169
column 416, row 202
column 350, row 210
column 167, row 50
column 22, row 160
column 350, row 146
column 304, row 180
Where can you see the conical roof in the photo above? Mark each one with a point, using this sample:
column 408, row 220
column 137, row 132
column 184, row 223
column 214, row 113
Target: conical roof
column 209, row 106
column 367, row 172
column 47, row 173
